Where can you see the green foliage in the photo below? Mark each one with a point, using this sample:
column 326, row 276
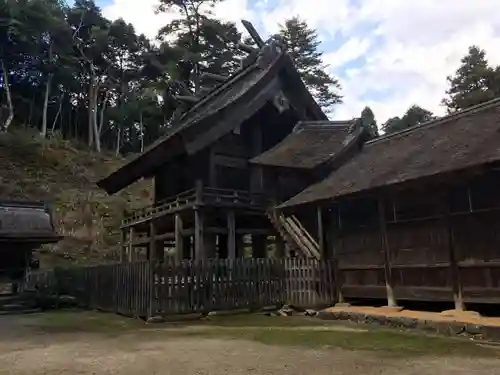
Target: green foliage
column 206, row 43
column 303, row 46
column 414, row 115
column 474, row 82
column 367, row 121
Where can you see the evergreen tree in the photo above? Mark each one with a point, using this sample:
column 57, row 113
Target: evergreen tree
column 302, row 44
column 415, row 115
column 201, row 40
column 473, row 82
column 369, row 123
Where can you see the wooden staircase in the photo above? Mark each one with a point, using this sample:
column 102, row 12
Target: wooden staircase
column 294, row 234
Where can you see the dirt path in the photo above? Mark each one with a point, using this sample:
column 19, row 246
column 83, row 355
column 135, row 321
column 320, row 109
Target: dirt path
column 24, row 352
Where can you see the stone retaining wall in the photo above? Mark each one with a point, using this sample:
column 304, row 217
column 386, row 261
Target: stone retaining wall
column 448, row 328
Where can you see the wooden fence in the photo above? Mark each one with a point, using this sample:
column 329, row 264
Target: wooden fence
column 141, row 289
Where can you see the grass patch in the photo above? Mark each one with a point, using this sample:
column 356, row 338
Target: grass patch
column 283, row 331
column 260, row 320
column 379, row 340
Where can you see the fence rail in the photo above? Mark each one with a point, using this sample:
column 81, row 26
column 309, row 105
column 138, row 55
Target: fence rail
column 141, row 289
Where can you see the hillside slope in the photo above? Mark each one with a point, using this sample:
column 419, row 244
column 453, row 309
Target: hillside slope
column 64, row 175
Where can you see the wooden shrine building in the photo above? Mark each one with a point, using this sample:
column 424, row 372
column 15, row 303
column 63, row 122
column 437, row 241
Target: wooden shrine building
column 415, row 215
column 211, row 189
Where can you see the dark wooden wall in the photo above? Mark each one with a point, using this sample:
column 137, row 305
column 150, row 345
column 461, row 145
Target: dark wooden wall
column 442, row 239
column 225, row 163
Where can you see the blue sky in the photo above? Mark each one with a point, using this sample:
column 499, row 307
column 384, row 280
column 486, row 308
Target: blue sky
column 387, row 54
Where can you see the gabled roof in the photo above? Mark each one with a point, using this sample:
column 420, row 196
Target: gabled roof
column 311, row 144
column 216, row 114
column 455, row 142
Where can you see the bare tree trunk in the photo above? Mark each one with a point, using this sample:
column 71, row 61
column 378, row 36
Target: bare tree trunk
column 9, row 119
column 103, row 109
column 97, row 137
column 57, row 114
column 142, row 131
column 118, row 140
column 91, row 113
column 43, row 132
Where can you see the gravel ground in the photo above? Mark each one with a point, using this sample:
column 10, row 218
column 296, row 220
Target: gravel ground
column 27, row 351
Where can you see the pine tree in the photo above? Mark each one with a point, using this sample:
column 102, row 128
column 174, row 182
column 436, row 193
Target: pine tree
column 369, row 123
column 415, row 115
column 202, row 41
column 472, row 83
column 302, row 45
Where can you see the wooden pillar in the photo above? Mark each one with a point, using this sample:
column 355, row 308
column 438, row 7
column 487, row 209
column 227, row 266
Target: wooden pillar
column 152, row 254
column 336, row 233
column 130, row 244
column 321, row 232
column 259, row 249
column 199, row 251
column 454, row 270
column 123, row 248
column 231, row 235
column 391, row 301
column 199, row 191
column 179, row 240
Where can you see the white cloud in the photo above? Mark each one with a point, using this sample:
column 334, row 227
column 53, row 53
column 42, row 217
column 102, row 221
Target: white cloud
column 415, row 46
column 141, row 13
column 409, row 46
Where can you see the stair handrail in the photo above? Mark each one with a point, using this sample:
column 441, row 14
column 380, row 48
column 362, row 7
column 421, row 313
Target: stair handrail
column 305, row 231
column 303, row 235
column 298, row 236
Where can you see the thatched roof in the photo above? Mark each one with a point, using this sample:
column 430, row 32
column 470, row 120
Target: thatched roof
column 311, row 144
column 218, row 112
column 27, row 222
column 455, row 142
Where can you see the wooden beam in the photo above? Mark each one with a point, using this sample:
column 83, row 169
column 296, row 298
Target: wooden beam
column 336, row 228
column 455, row 271
column 230, row 161
column 253, row 33
column 187, row 99
column 199, row 191
column 246, row 48
column 391, row 301
column 231, row 237
column 213, row 77
column 179, row 239
column 123, row 248
column 198, row 235
column 321, row 233
column 152, row 256
column 130, row 244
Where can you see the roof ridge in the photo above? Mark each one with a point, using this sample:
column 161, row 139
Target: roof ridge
column 219, row 88
column 236, row 75
column 321, row 124
column 471, row 110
